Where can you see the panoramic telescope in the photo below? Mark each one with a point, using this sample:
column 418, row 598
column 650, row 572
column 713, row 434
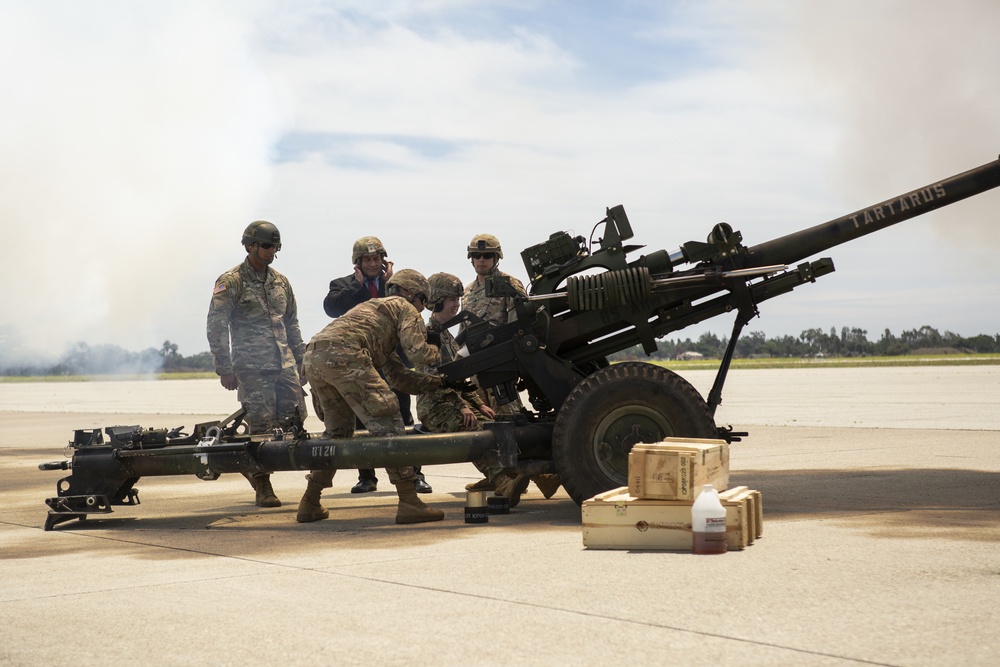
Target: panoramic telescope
column 587, row 300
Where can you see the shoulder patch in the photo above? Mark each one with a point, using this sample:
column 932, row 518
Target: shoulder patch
column 219, row 288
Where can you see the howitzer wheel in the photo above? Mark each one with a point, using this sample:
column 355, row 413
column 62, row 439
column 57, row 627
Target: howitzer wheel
column 612, row 410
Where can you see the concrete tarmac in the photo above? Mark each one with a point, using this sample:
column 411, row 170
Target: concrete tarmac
column 881, row 546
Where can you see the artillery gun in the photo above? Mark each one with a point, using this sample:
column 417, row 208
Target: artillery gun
column 587, row 300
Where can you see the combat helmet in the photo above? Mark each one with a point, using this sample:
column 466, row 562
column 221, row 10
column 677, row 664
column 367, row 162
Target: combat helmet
column 485, row 243
column 410, row 280
column 262, row 231
column 443, row 285
column 367, row 245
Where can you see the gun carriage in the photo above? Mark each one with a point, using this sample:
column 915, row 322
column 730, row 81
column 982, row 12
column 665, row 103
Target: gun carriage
column 587, row 300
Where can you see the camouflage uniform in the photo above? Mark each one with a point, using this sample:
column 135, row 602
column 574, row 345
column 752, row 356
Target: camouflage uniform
column 342, row 363
column 440, row 410
column 261, row 319
column 496, row 310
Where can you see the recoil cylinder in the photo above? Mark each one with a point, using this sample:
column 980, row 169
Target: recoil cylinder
column 609, row 289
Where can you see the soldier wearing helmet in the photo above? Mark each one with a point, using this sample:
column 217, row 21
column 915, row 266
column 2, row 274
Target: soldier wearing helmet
column 447, row 410
column 352, row 364
column 253, row 306
column 371, row 273
column 485, row 253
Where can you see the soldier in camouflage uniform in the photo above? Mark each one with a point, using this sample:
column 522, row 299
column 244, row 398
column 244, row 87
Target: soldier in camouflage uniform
column 372, row 270
column 485, row 252
column 448, row 410
column 253, row 305
column 343, row 364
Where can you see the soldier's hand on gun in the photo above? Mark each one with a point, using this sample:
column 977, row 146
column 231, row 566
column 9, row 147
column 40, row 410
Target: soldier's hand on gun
column 229, row 382
column 487, row 411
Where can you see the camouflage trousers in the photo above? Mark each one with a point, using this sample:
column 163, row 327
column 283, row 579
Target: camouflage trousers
column 345, row 386
column 271, row 398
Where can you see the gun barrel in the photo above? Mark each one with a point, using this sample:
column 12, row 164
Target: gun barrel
column 807, row 242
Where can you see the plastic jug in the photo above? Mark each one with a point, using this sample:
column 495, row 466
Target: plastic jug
column 708, row 522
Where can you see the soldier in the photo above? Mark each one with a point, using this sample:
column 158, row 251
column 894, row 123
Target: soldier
column 253, row 305
column 447, row 410
column 349, row 365
column 371, row 272
column 485, row 252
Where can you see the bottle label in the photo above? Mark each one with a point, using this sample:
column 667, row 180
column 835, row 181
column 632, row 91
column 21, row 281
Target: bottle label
column 715, row 525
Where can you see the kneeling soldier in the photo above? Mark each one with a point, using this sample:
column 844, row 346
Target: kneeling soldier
column 342, row 363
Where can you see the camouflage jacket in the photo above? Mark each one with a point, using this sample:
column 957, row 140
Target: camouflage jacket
column 374, row 329
column 496, row 310
column 260, row 318
column 448, row 401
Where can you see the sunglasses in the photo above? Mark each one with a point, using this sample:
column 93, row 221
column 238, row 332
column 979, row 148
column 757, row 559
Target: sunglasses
column 483, row 255
column 267, row 246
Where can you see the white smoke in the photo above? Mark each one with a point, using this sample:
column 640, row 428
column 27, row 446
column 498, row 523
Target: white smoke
column 136, row 143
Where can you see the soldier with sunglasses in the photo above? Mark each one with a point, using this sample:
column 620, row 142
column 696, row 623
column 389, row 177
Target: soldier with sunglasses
column 485, row 252
column 254, row 307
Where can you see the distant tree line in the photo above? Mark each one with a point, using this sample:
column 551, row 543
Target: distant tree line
column 84, row 359
column 850, row 342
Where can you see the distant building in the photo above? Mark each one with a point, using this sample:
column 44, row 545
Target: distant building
column 690, row 356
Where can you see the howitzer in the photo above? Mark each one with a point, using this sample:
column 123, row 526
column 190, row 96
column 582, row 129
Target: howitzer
column 587, row 300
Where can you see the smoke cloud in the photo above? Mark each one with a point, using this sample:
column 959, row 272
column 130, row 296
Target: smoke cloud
column 137, row 140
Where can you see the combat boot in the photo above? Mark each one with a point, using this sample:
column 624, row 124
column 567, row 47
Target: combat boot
column 411, row 509
column 485, row 484
column 548, row 484
column 512, row 488
column 310, row 508
column 265, row 493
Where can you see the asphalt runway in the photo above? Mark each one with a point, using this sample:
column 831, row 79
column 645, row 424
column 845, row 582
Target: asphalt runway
column 881, row 546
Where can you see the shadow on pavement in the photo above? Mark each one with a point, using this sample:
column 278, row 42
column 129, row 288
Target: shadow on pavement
column 935, row 502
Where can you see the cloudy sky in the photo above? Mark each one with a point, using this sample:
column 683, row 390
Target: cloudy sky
column 139, row 139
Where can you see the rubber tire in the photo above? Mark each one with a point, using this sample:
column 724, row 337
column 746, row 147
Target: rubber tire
column 631, row 402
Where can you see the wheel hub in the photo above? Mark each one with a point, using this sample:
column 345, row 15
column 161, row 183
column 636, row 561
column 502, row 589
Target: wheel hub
column 619, row 431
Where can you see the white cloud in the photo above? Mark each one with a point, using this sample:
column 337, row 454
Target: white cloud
column 140, row 138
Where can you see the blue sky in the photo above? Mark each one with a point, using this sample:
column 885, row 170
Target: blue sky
column 139, row 139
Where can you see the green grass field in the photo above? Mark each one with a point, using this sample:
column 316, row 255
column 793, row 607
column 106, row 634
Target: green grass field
column 706, row 364
column 844, row 362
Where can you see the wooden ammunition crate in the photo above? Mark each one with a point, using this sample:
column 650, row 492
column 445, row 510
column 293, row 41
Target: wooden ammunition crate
column 677, row 468
column 617, row 520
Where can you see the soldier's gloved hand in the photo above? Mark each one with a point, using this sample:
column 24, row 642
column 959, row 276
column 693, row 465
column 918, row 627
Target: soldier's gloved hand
column 434, row 338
